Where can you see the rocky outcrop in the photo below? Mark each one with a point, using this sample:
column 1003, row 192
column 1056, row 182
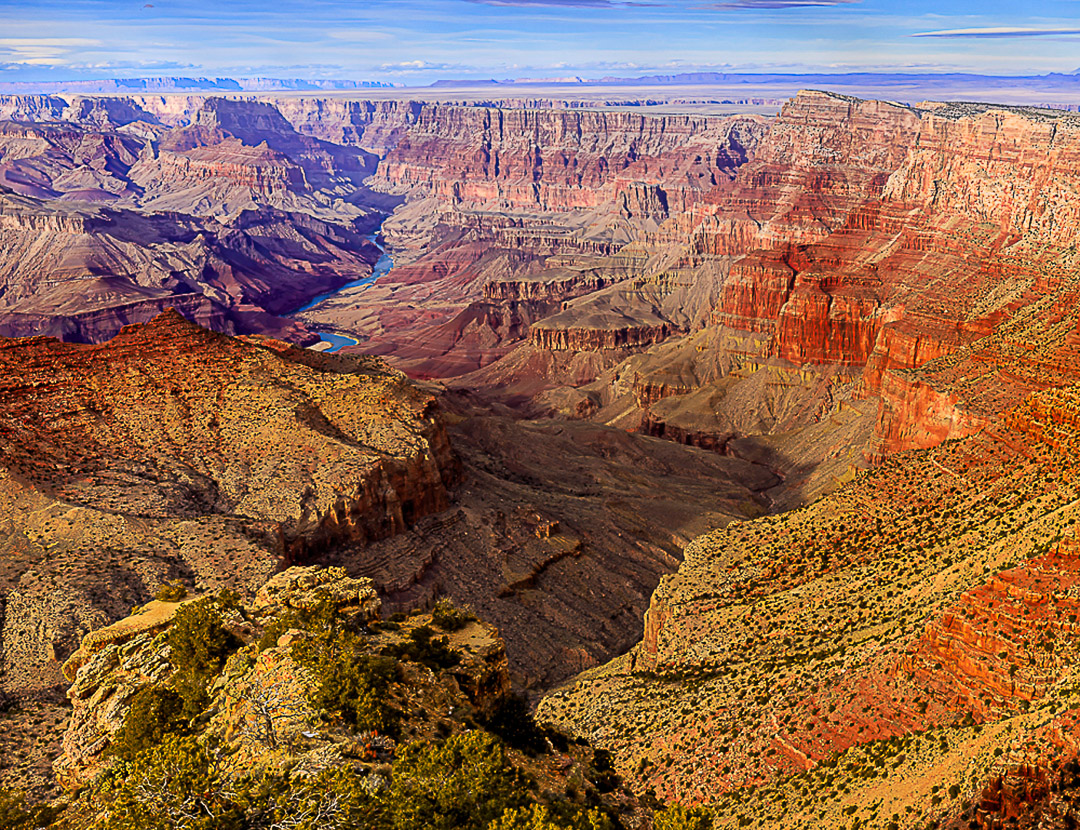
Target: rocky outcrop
column 596, row 339
column 1006, row 641
column 117, row 661
column 100, row 697
column 261, row 701
column 152, row 618
column 712, row 440
column 552, row 286
column 304, row 588
column 916, row 414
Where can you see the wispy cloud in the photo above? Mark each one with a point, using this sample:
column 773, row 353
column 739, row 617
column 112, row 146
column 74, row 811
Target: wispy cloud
column 43, row 50
column 776, row 4
column 423, row 66
column 358, row 35
column 999, row 31
column 559, row 4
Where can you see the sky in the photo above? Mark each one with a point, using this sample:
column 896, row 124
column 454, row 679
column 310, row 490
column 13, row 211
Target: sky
column 419, row 41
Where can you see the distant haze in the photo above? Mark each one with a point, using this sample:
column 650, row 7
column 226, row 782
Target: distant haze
column 700, row 93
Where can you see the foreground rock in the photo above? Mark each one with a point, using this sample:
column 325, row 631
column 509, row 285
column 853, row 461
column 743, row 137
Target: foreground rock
column 279, row 733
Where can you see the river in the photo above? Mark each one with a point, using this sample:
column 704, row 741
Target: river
column 382, row 267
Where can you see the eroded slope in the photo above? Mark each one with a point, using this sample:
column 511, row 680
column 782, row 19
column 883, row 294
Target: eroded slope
column 172, row 450
column 857, row 657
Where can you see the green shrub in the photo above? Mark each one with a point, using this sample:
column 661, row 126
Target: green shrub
column 424, row 647
column 348, row 681
column 200, row 646
column 677, row 817
column 335, row 799
column 449, row 617
column 16, row 814
column 538, row 817
column 171, row 786
column 463, row 784
column 321, row 619
column 171, row 592
column 154, row 713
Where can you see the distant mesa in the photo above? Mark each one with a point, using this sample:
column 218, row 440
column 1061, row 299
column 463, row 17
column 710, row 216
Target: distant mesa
column 926, row 80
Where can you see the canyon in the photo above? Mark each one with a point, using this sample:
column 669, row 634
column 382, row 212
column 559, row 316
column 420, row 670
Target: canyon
column 753, row 435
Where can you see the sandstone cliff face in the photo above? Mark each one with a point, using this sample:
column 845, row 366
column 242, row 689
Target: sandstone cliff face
column 563, row 160
column 64, row 161
column 376, row 126
column 1004, row 182
column 825, row 157
column 925, row 246
column 595, row 339
column 31, row 107
column 1014, row 169
column 228, row 165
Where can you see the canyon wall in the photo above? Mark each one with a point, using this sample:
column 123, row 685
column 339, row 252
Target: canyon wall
column 563, row 160
column 926, row 249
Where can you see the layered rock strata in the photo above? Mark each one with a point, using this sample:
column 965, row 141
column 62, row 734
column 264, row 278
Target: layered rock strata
column 922, row 251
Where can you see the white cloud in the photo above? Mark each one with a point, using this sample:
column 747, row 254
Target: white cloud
column 776, row 4
column 44, row 50
column 999, row 31
column 359, row 35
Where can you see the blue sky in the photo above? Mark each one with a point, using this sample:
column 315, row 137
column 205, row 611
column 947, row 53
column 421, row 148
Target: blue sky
column 418, row 41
